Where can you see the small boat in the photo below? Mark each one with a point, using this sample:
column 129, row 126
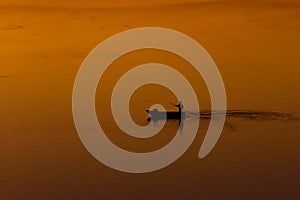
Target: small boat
column 158, row 115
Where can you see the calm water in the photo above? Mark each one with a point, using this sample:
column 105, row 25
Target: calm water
column 256, row 47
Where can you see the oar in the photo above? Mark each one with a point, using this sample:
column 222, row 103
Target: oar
column 172, row 104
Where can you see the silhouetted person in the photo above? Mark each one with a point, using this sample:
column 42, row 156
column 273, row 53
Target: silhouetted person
column 180, row 107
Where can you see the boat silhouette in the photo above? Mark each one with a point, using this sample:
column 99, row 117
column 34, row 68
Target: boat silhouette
column 159, row 115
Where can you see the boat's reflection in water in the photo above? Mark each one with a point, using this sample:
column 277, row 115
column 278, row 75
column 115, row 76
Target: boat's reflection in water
column 155, row 116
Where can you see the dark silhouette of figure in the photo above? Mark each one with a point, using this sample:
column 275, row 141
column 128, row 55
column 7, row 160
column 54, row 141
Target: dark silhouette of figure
column 181, row 115
column 179, row 106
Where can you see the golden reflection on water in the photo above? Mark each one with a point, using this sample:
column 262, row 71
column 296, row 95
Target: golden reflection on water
column 256, row 47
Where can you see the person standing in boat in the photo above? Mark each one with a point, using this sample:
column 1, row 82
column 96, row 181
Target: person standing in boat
column 179, row 106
